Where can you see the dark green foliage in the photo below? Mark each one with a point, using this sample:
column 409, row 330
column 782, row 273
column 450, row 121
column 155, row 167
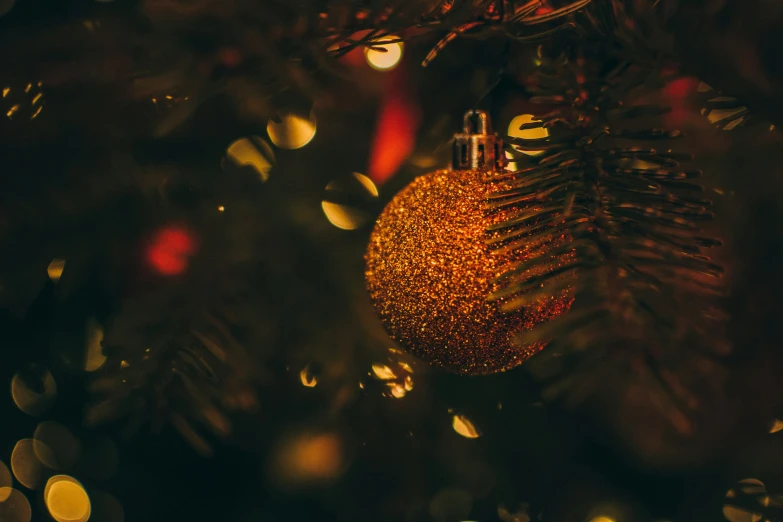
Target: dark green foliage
column 647, row 295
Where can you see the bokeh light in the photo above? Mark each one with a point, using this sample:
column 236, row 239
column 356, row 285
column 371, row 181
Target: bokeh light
column 66, row 499
column 308, row 457
column 397, row 378
column 52, row 438
column 252, row 152
column 34, row 390
column 465, row 427
column 537, row 133
column 307, row 377
column 6, row 481
column 777, row 425
column 292, row 131
column 521, row 514
column 383, row 372
column 55, row 269
column 93, row 352
column 384, row 56
column 511, row 165
column 14, row 506
column 32, row 463
column 602, row 518
column 170, row 249
column 742, row 513
column 348, row 201
column 394, row 376
column 396, row 126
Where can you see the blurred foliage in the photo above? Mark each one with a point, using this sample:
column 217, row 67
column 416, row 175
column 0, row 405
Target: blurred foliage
column 277, row 290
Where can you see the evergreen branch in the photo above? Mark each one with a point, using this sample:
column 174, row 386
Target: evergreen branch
column 618, row 227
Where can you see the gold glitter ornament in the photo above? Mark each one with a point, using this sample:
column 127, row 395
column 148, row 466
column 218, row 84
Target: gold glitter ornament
column 430, row 269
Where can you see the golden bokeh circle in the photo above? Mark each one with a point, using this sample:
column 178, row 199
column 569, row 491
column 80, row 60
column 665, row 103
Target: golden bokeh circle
column 384, row 56
column 67, row 500
column 52, row 438
column 293, row 131
column 94, row 358
column 536, row 133
column 347, row 201
column 32, row 463
column 6, row 480
column 34, row 391
column 14, row 506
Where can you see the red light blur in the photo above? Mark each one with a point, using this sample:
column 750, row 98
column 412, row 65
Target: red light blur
column 170, row 249
column 395, row 130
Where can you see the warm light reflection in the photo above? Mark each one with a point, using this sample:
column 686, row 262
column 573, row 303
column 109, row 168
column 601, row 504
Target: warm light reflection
column 384, row 56
column 423, row 161
column 529, row 134
column 14, row 506
column 52, row 438
column 397, row 391
column 307, row 378
column 55, row 269
column 30, row 467
column 511, row 165
column 602, row 518
column 252, row 152
column 94, row 357
column 67, row 499
column 292, row 131
column 465, row 427
column 34, row 391
column 776, row 426
column 396, row 376
column 383, row 372
column 345, row 200
column 717, row 115
column 750, row 487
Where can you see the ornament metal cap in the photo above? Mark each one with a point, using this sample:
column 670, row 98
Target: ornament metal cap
column 477, row 147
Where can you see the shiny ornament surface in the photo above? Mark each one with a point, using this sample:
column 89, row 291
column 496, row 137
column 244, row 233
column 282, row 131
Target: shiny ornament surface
column 429, row 273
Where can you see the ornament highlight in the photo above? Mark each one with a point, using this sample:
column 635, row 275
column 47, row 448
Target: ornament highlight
column 430, row 269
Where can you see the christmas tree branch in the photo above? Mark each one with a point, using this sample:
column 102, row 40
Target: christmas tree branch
column 616, row 224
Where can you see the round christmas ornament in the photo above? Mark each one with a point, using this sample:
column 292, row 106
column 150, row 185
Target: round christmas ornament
column 432, row 264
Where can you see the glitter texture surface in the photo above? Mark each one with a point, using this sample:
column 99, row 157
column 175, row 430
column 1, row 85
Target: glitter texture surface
column 429, row 273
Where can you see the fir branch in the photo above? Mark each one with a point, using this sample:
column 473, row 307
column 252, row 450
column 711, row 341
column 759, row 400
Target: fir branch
column 609, row 213
column 171, row 360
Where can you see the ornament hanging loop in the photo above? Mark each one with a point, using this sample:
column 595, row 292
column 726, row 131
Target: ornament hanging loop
column 477, row 147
